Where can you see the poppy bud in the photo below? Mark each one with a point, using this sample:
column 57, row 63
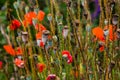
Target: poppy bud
column 24, row 37
column 88, row 28
column 106, row 22
column 26, row 9
column 59, row 18
column 65, row 31
column 36, row 10
column 55, row 38
column 49, row 17
column 15, row 4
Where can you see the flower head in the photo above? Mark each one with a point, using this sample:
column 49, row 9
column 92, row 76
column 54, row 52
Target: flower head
column 51, row 77
column 67, row 54
column 40, row 67
column 40, row 15
column 1, row 63
column 9, row 49
column 19, row 63
column 98, row 32
column 15, row 24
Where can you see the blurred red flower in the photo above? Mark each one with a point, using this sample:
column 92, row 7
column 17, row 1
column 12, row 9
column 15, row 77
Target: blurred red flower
column 40, row 15
column 9, row 49
column 15, row 24
column 29, row 16
column 40, row 67
column 19, row 63
column 51, row 77
column 1, row 63
column 67, row 54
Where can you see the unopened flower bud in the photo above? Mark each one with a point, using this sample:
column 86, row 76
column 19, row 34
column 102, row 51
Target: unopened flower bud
column 49, row 17
column 26, row 9
column 15, row 4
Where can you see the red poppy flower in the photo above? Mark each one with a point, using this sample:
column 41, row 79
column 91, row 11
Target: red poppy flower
column 29, row 16
column 111, row 28
column 101, row 49
column 19, row 63
column 40, row 27
column 25, row 23
column 98, row 32
column 39, row 35
column 51, row 77
column 40, row 67
column 15, row 24
column 19, row 51
column 1, row 64
column 67, row 54
column 42, row 44
column 9, row 49
column 40, row 15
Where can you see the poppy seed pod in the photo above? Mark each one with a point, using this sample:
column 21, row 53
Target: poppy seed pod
column 115, row 19
column 65, row 31
column 24, row 37
column 45, row 36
